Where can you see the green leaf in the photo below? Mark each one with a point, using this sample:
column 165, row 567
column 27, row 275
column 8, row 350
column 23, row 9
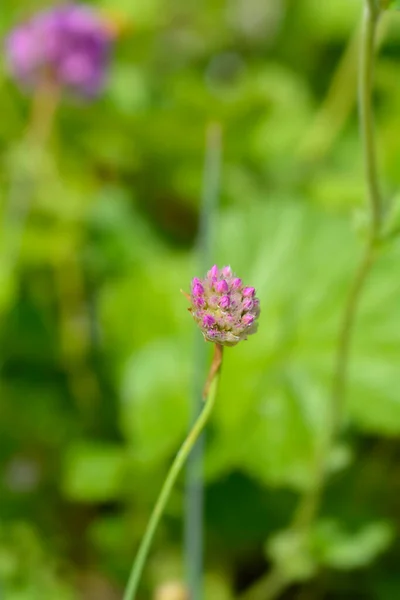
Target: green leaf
column 339, row 548
column 290, row 552
column 299, row 554
column 155, row 399
column 385, row 4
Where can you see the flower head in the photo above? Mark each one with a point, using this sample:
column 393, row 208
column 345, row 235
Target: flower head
column 68, row 46
column 225, row 310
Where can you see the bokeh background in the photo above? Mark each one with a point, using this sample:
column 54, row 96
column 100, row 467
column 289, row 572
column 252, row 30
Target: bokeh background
column 97, row 352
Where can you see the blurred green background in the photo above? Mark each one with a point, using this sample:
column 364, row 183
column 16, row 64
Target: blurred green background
column 97, row 347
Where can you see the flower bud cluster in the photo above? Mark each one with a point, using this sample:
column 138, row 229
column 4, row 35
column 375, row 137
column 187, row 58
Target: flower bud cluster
column 223, row 307
column 67, row 46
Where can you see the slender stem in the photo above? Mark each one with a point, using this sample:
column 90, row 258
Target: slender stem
column 275, row 582
column 25, row 179
column 346, row 334
column 175, row 469
column 310, row 503
column 338, row 103
column 367, row 54
column 268, row 587
column 365, row 104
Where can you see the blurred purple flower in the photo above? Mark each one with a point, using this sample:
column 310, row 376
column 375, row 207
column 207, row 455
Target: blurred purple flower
column 68, row 46
column 224, row 309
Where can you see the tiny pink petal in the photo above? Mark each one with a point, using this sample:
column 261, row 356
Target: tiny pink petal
column 208, row 321
column 199, row 302
column 236, row 283
column 248, row 304
column 221, row 286
column 213, row 272
column 225, row 302
column 248, row 319
column 198, row 289
column 249, row 292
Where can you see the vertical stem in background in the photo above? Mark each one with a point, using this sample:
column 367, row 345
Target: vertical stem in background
column 26, row 175
column 276, row 582
column 172, row 475
column 365, row 104
column 366, row 118
column 309, row 507
column 194, row 483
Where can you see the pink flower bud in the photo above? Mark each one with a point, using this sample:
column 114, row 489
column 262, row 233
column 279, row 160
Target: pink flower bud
column 213, row 272
column 248, row 319
column 248, row 304
column 199, row 302
column 236, row 283
column 208, row 321
column 221, row 286
column 224, row 302
column 249, row 292
column 227, row 272
column 198, row 289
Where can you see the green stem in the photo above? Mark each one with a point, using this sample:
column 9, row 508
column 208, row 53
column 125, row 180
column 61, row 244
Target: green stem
column 25, row 179
column 175, row 469
column 365, row 104
column 367, row 54
column 275, row 582
column 310, row 504
column 268, row 587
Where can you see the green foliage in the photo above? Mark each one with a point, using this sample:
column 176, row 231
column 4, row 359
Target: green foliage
column 299, row 554
column 26, row 572
column 93, row 473
column 390, row 4
column 97, row 347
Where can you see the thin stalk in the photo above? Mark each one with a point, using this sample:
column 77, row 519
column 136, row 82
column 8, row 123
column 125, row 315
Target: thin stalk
column 338, row 103
column 365, row 104
column 310, row 503
column 25, row 179
column 268, row 587
column 175, row 469
column 309, row 507
column 194, row 494
column 276, row 582
column 366, row 119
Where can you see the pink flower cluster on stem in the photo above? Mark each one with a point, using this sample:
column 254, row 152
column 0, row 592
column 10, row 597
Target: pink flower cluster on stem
column 225, row 310
column 68, row 45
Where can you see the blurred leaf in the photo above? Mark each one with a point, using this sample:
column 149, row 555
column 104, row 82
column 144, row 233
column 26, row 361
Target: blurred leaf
column 392, row 223
column 155, row 399
column 340, row 549
column 290, row 551
column 128, row 89
column 93, row 472
column 298, row 554
column 142, row 13
column 28, row 571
